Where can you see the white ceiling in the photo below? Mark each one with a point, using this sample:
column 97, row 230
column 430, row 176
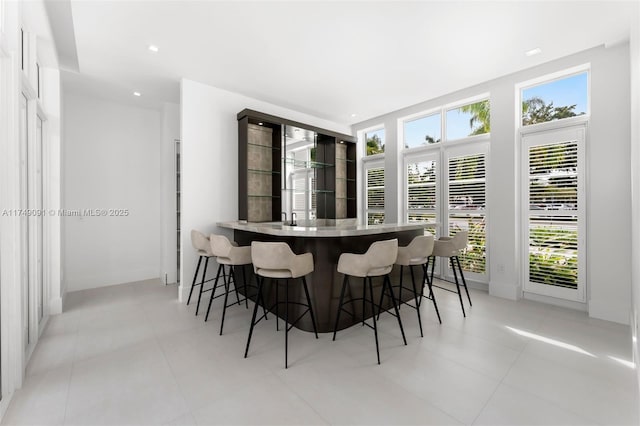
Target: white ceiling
column 327, row 58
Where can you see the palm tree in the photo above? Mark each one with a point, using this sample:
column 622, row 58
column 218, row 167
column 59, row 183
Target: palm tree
column 480, row 121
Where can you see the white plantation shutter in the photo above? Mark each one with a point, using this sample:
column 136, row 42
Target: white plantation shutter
column 421, row 182
column 466, row 197
column 553, row 212
column 374, row 174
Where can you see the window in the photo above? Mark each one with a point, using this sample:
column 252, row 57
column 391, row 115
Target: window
column 468, row 120
column 374, row 184
column 466, row 195
column 553, row 218
column 423, row 131
column 421, row 180
column 446, row 183
column 555, row 100
column 374, row 142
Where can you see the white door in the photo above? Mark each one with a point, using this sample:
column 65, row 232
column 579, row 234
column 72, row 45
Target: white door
column 553, row 206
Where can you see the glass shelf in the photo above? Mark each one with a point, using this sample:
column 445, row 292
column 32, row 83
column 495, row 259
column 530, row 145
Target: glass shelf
column 345, row 198
column 273, row 148
column 347, row 179
column 345, row 159
column 317, row 191
column 263, row 196
column 299, row 164
column 264, row 172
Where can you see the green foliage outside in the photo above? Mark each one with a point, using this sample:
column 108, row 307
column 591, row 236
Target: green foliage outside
column 480, row 121
column 553, row 256
column 374, row 145
column 536, row 110
column 474, row 258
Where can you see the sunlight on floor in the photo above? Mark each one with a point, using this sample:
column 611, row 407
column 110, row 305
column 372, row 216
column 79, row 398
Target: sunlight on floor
column 624, row 362
column 550, row 341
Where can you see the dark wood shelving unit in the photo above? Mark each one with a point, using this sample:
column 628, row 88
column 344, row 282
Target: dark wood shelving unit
column 261, row 161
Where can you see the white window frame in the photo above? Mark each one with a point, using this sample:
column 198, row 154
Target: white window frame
column 550, row 78
column 441, row 152
column 553, row 127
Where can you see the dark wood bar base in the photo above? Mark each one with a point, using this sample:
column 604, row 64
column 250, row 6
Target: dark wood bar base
column 325, row 282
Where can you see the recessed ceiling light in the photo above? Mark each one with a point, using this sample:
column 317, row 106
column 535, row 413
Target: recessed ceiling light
column 153, row 48
column 533, row 51
column 354, row 115
column 137, row 94
column 260, row 124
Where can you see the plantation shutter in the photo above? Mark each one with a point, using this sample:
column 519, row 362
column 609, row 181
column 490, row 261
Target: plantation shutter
column 421, row 183
column 466, row 194
column 553, row 212
column 553, row 219
column 375, row 195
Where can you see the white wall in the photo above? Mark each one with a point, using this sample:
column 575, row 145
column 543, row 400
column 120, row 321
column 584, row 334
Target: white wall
column 608, row 196
column 635, row 187
column 170, row 132
column 210, row 160
column 111, row 158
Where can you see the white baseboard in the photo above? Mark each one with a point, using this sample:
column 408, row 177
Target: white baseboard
column 509, row 291
column 118, row 277
column 605, row 312
column 577, row 306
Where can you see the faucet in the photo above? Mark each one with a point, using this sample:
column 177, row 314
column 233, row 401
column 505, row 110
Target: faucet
column 293, row 219
column 285, row 217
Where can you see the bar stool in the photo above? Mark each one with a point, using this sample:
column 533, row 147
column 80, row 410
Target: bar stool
column 377, row 261
column 200, row 242
column 417, row 253
column 450, row 247
column 275, row 260
column 228, row 254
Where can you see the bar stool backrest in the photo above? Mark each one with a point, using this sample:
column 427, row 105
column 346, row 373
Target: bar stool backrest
column 382, row 254
column 201, row 243
column 419, row 249
column 220, row 245
column 460, row 240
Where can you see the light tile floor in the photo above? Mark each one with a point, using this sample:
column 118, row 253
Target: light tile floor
column 131, row 354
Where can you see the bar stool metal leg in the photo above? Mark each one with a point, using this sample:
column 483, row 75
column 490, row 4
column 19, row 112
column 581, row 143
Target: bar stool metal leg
column 387, row 282
column 195, row 277
column 204, row 276
column 464, row 282
column 253, row 317
column 455, row 276
column 313, row 318
column 227, row 287
column 416, row 298
column 213, row 292
column 430, row 287
column 373, row 316
column 345, row 282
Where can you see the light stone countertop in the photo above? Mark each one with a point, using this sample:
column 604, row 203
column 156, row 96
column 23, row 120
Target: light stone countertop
column 342, row 230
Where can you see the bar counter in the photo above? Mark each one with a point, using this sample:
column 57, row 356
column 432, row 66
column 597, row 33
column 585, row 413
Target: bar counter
column 326, row 243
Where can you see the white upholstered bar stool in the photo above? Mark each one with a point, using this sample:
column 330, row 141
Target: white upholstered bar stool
column 417, row 253
column 200, row 242
column 229, row 254
column 377, row 261
column 450, row 247
column 276, row 261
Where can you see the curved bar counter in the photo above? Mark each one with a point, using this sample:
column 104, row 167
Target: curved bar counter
column 327, row 243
